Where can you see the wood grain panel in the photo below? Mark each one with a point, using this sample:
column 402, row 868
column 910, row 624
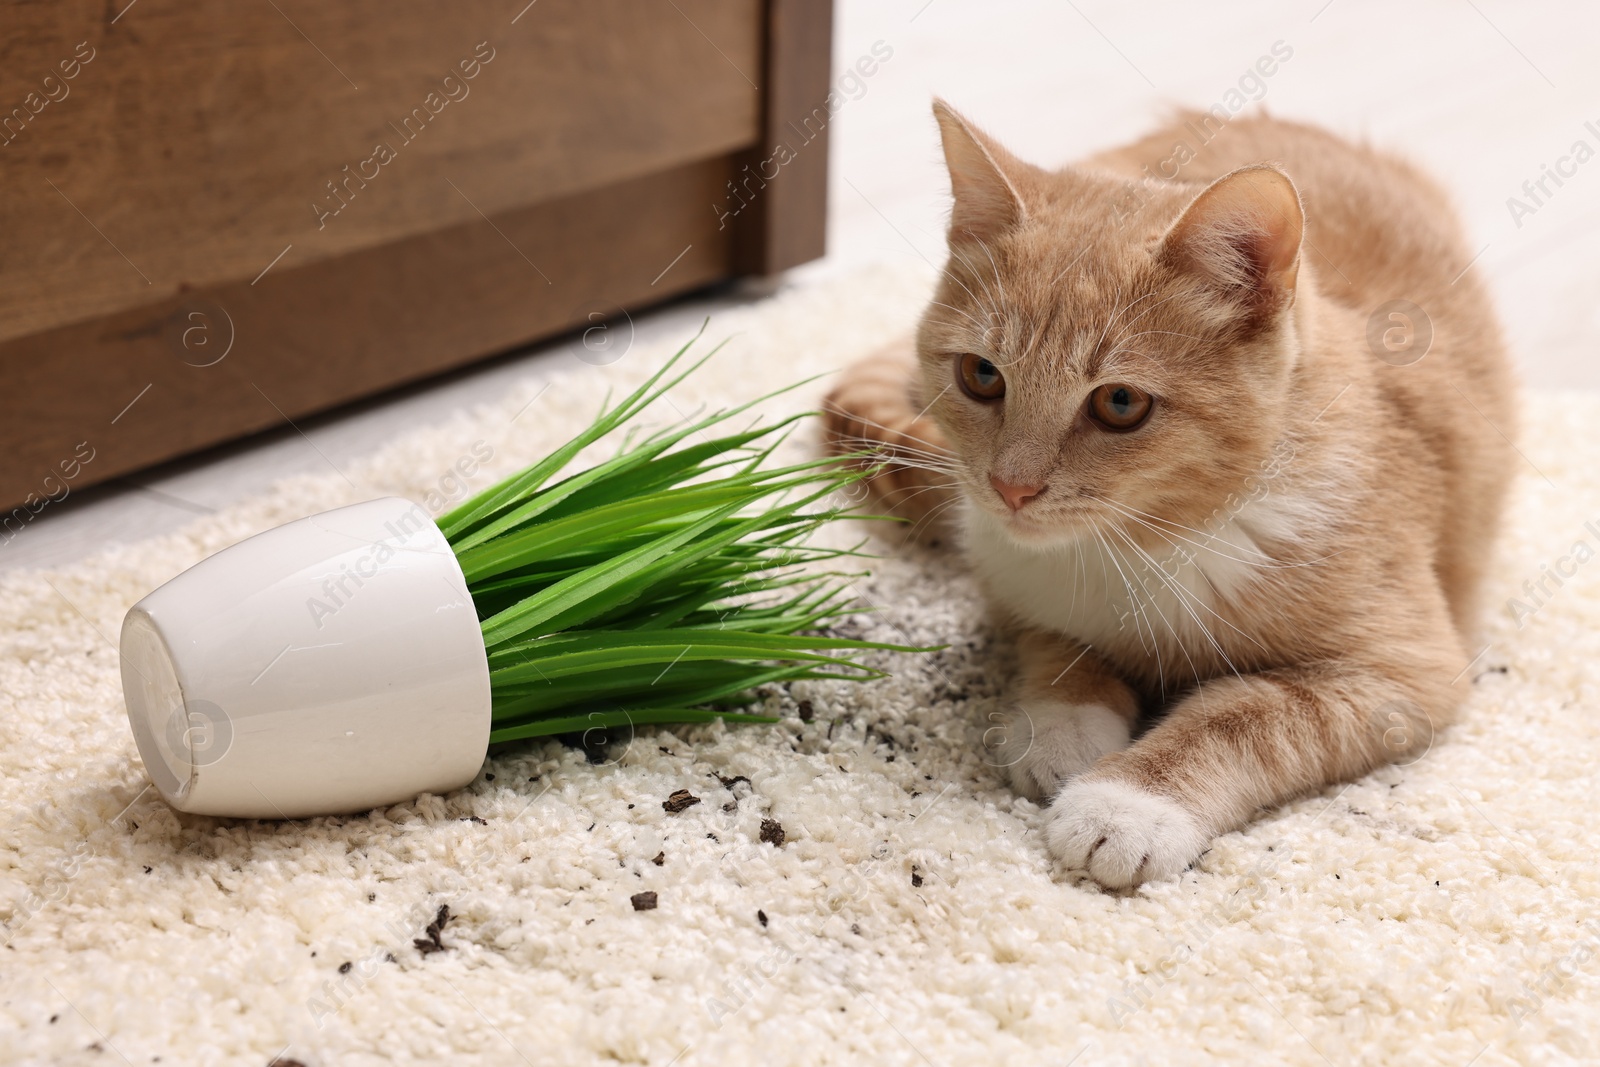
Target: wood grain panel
column 217, row 217
column 136, row 390
column 199, row 139
column 781, row 189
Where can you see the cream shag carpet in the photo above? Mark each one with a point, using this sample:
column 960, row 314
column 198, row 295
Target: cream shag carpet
column 1440, row 913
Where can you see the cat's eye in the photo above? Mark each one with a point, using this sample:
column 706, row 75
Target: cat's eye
column 980, row 379
column 1120, row 408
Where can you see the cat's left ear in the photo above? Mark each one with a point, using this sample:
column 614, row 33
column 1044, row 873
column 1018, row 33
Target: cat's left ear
column 1243, row 236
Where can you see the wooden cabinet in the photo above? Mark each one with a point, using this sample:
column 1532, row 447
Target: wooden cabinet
column 219, row 216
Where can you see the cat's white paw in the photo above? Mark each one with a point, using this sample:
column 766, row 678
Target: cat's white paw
column 1121, row 834
column 1041, row 744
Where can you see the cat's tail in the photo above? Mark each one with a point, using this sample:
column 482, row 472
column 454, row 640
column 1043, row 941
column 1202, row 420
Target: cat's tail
column 871, row 411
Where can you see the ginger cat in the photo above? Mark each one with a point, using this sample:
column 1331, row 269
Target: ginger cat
column 1234, row 507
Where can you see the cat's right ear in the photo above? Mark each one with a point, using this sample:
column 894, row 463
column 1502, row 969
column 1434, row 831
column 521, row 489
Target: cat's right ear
column 986, row 201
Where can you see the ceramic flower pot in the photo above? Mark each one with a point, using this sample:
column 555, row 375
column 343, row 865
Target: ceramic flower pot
column 333, row 664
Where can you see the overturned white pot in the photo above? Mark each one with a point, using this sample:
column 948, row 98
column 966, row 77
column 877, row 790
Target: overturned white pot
column 333, row 664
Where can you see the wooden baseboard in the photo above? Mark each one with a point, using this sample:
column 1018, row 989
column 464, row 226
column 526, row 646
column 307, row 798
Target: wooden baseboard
column 147, row 385
column 602, row 144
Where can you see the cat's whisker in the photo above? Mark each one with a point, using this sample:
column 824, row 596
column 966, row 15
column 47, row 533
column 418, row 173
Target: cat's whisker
column 927, row 518
column 1270, row 562
column 1182, row 594
column 887, row 453
column 1273, row 562
column 931, row 487
column 959, row 311
column 894, row 452
column 967, row 262
column 1141, row 620
column 991, row 306
column 896, row 431
column 1106, row 330
column 994, row 306
column 1120, row 351
column 999, row 281
column 931, row 452
column 1180, row 590
column 1133, row 600
column 902, row 455
column 928, row 484
column 1186, row 595
column 928, row 467
column 1129, row 510
column 1083, row 580
column 939, row 509
column 981, row 304
column 1133, row 515
column 946, row 503
column 1123, row 309
column 1182, row 602
column 1161, row 674
column 1138, row 607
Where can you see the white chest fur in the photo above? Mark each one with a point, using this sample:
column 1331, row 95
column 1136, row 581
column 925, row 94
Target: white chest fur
column 1175, row 603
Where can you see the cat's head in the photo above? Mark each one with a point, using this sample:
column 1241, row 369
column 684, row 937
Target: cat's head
column 1101, row 350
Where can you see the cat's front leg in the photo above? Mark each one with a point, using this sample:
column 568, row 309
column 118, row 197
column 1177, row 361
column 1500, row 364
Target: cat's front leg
column 1066, row 711
column 871, row 411
column 1238, row 744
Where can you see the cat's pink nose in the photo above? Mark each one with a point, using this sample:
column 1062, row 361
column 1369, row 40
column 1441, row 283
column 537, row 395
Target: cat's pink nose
column 1015, row 496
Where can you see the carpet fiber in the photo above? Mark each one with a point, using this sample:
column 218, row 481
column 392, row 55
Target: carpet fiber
column 853, row 885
